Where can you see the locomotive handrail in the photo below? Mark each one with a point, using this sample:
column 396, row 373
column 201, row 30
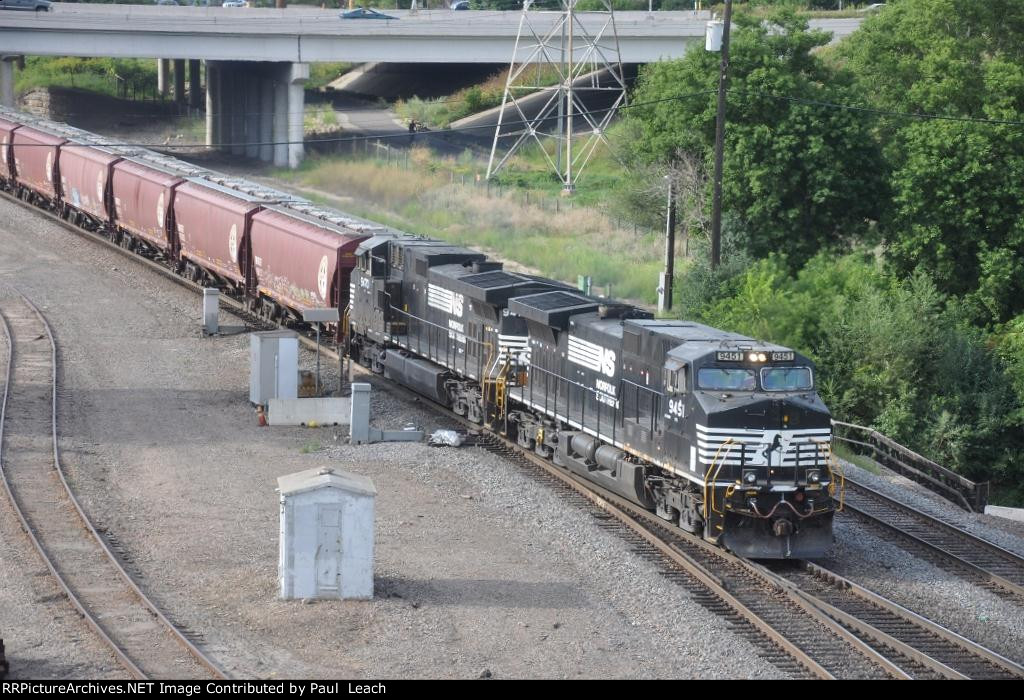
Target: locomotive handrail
column 441, row 329
column 834, row 467
column 729, row 441
column 969, row 495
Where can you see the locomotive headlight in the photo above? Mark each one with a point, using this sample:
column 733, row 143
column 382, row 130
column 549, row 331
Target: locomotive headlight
column 813, row 476
column 750, row 476
column 761, row 357
column 757, row 357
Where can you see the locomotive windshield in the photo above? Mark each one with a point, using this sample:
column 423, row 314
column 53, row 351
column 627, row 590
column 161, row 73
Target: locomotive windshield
column 786, row 378
column 716, row 379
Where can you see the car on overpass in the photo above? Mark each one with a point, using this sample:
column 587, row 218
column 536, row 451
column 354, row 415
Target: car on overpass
column 29, row 5
column 363, row 13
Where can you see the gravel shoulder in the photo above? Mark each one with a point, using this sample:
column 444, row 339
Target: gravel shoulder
column 478, row 568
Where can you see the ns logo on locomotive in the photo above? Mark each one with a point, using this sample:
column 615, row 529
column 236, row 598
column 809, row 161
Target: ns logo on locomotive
column 719, row 433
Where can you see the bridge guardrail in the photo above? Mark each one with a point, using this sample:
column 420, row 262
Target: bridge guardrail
column 967, row 494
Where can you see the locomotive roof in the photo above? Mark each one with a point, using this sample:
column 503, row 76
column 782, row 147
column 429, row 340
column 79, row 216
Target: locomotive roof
column 490, row 284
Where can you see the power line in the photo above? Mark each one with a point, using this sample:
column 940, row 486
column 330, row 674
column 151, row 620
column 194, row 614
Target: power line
column 634, row 105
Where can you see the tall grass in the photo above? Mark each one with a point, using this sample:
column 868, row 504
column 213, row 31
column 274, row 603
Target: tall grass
column 428, row 200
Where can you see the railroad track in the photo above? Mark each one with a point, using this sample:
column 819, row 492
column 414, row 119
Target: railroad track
column 808, row 622
column 975, row 559
column 142, row 638
column 923, row 648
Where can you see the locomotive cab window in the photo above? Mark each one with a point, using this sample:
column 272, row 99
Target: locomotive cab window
column 722, row 379
column 675, row 377
column 786, row 379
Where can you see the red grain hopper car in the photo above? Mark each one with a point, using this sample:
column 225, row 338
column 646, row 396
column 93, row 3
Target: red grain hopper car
column 35, row 162
column 85, row 180
column 212, row 227
column 144, row 204
column 300, row 262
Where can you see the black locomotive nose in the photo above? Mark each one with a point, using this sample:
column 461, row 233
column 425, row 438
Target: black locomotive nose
column 774, row 413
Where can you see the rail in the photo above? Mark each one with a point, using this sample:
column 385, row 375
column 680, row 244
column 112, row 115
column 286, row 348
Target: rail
column 112, row 603
column 967, row 494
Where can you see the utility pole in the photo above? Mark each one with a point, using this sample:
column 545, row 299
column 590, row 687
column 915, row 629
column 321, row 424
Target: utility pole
column 665, row 288
column 716, row 202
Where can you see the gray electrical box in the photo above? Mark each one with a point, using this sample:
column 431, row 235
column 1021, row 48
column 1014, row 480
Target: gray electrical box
column 211, row 310
column 274, row 366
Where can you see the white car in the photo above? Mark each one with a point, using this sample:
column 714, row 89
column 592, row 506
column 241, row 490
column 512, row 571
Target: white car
column 235, row 3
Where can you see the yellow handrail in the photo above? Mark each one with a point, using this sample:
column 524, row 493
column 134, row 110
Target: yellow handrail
column 835, row 468
column 729, row 441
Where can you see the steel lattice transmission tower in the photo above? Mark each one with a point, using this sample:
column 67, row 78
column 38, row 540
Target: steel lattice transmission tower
column 579, row 51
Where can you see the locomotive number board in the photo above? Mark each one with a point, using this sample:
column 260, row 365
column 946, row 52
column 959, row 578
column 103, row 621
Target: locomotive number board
column 739, row 356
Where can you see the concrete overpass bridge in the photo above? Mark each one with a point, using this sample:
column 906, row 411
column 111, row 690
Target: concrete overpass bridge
column 257, row 60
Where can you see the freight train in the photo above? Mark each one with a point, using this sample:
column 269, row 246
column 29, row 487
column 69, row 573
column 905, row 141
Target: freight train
column 714, row 431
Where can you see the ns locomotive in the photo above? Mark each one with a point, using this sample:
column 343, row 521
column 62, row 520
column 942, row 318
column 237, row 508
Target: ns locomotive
column 714, row 431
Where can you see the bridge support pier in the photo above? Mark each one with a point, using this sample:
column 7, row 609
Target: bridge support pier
column 234, row 103
column 195, row 89
column 163, row 68
column 256, row 109
column 179, row 80
column 214, row 114
column 7, row 98
column 297, row 75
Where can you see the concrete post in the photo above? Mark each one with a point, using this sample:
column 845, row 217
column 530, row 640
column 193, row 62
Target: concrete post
column 253, row 102
column 195, row 87
column 179, row 80
column 163, row 66
column 267, row 94
column 298, row 75
column 359, row 415
column 213, row 132
column 7, row 81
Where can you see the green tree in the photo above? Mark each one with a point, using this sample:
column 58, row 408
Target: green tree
column 799, row 176
column 898, row 355
column 956, row 210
